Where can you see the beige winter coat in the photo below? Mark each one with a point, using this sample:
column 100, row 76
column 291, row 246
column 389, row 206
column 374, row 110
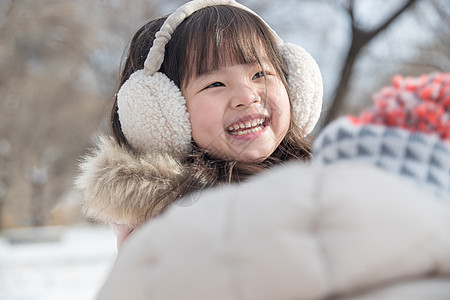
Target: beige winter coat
column 297, row 232
column 120, row 186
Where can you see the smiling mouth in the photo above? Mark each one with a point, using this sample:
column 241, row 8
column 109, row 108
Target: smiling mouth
column 247, row 127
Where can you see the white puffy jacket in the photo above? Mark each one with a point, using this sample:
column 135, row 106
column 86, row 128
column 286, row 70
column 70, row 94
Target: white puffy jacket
column 345, row 231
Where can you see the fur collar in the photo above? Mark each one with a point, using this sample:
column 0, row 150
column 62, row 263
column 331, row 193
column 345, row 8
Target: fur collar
column 125, row 188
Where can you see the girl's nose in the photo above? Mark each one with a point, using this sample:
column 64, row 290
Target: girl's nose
column 245, row 96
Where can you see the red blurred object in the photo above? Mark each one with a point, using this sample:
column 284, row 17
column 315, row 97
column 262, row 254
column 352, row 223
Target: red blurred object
column 418, row 104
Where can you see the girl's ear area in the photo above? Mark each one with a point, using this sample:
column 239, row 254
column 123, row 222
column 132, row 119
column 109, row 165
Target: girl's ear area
column 305, row 86
column 153, row 114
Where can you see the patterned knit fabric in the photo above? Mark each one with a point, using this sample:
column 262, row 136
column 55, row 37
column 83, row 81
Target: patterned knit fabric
column 406, row 132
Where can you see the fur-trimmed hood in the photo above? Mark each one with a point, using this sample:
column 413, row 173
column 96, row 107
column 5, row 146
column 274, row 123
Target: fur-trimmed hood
column 126, row 188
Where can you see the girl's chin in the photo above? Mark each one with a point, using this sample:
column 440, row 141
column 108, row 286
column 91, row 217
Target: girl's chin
column 251, row 158
column 242, row 154
column 249, row 155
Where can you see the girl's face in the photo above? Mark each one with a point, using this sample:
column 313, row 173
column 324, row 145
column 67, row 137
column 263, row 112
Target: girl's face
column 238, row 112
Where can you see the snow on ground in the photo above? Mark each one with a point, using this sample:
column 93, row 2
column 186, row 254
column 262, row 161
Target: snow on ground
column 73, row 268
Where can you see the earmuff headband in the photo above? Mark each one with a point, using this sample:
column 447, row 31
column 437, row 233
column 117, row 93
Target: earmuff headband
column 155, row 56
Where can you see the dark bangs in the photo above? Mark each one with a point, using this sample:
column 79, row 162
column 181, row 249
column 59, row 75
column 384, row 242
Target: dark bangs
column 215, row 36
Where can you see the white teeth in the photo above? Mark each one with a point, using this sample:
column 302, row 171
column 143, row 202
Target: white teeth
column 246, row 125
column 244, row 132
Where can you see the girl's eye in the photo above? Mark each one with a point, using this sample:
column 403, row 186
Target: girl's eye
column 258, row 75
column 215, row 84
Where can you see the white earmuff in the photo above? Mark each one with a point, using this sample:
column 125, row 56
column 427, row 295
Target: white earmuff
column 152, row 111
column 305, row 86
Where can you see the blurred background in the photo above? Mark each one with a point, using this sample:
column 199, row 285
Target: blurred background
column 59, row 66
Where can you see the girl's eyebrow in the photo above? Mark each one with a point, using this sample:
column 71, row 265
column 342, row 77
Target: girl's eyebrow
column 198, row 78
column 201, row 77
column 265, row 63
column 209, row 72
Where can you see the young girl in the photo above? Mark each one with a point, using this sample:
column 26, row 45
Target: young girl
column 209, row 95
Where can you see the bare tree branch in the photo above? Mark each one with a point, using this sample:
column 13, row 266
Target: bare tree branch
column 390, row 20
column 360, row 38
